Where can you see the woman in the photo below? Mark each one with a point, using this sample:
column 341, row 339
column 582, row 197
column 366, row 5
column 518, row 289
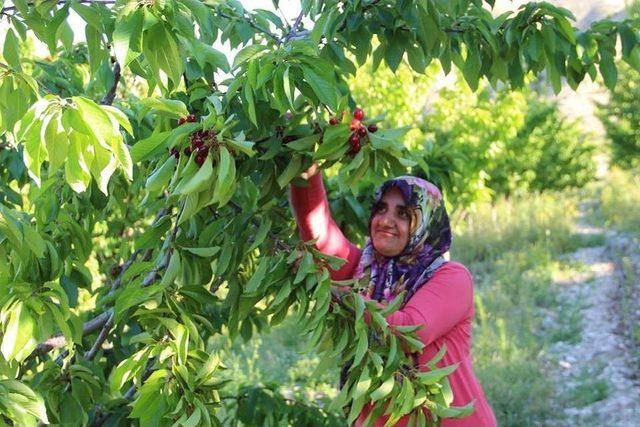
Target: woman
column 408, row 235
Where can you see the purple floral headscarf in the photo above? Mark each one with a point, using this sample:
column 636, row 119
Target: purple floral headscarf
column 430, row 238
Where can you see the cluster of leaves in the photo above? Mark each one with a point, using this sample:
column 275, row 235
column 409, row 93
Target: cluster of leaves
column 109, row 237
column 381, row 370
column 502, row 143
column 621, row 119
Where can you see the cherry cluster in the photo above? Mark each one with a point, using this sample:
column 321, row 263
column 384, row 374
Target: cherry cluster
column 200, row 142
column 358, row 130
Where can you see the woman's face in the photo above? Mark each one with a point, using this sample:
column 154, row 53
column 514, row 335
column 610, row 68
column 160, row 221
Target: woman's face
column 390, row 224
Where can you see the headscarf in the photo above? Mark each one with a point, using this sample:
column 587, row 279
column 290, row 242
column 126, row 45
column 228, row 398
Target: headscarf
column 430, row 237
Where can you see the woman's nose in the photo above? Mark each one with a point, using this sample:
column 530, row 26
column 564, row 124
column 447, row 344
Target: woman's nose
column 386, row 219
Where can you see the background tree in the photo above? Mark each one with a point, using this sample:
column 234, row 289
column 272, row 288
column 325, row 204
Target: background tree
column 144, row 181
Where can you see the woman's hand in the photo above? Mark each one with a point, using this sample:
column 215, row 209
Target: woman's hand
column 313, row 170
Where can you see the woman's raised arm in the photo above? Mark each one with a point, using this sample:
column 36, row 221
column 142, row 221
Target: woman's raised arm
column 311, row 211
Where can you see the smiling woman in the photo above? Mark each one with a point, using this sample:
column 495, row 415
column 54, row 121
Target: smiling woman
column 403, row 258
column 390, row 224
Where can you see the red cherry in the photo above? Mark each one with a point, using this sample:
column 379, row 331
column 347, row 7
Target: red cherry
column 358, row 114
column 373, row 128
column 200, row 158
column 333, row 121
column 182, row 120
column 355, row 149
column 355, row 125
column 187, row 151
column 362, row 131
column 197, row 142
column 191, row 118
column 175, row 153
column 354, row 139
column 203, row 150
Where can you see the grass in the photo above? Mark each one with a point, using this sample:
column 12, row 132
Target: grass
column 588, row 389
column 491, row 230
column 619, row 200
column 514, row 249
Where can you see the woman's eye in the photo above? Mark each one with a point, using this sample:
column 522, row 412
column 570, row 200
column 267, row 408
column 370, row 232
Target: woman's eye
column 403, row 214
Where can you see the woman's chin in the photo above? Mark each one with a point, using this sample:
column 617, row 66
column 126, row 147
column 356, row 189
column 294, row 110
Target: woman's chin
column 386, row 250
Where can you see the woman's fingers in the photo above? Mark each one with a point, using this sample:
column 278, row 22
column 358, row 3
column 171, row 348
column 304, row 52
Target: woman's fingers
column 312, row 171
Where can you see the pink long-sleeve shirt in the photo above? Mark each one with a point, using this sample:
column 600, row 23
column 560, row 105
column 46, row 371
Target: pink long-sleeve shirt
column 444, row 306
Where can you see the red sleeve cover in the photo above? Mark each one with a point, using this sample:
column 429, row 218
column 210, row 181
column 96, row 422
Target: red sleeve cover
column 311, row 211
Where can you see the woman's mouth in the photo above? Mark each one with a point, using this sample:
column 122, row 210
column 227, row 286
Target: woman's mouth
column 386, row 233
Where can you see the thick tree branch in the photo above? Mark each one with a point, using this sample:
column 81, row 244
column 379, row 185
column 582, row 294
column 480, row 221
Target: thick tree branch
column 151, row 278
column 59, row 341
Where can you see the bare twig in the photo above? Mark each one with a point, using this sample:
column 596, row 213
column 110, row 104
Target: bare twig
column 106, row 328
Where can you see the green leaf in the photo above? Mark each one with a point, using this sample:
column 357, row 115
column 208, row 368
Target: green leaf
column 334, row 139
column 143, row 149
column 225, row 184
column 293, row 169
column 608, row 68
column 97, row 121
column 56, row 143
column 90, row 15
column 204, row 252
column 174, row 107
column 160, row 178
column 76, row 168
column 18, row 338
column 323, row 88
column 102, row 167
column 565, row 29
column 258, row 276
column 33, row 240
column 199, row 181
column 241, row 145
column 384, row 389
column 304, row 144
column 152, row 235
column 435, row 375
column 250, row 103
column 11, row 51
column 247, row 53
column 162, row 53
column 361, row 348
column 127, row 37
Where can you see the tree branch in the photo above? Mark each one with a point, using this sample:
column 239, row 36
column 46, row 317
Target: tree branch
column 106, row 328
column 110, row 96
column 148, row 280
column 59, row 341
column 105, row 2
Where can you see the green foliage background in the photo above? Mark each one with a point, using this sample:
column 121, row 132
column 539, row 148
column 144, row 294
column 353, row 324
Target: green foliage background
column 129, row 275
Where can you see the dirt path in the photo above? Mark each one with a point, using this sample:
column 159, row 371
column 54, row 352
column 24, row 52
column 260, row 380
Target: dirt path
column 597, row 375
